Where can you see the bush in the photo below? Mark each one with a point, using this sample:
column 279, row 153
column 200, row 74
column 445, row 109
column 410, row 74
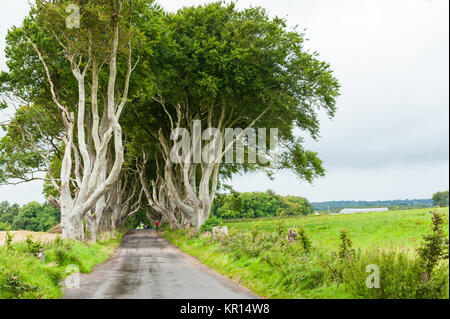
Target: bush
column 24, row 276
column 36, row 217
column 279, row 224
column 33, row 247
column 210, row 223
column 13, row 286
column 192, row 233
column 8, row 241
column 5, row 226
column 304, row 240
column 434, row 247
column 345, row 245
column 400, row 277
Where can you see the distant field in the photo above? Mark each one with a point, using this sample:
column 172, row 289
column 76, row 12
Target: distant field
column 20, row 236
column 392, row 229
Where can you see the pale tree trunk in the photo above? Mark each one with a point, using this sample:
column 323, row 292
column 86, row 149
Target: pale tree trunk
column 80, row 194
column 194, row 198
column 158, row 198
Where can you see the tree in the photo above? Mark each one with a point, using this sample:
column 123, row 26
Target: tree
column 213, row 67
column 97, row 62
column 226, row 68
column 440, row 199
column 258, row 204
column 36, row 217
column 8, row 212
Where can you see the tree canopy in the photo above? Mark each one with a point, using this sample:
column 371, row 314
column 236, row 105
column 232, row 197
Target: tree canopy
column 100, row 109
column 440, row 199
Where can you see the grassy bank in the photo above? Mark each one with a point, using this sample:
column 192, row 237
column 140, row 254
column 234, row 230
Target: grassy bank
column 258, row 255
column 23, row 275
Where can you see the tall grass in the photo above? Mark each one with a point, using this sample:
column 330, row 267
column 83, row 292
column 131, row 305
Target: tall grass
column 24, row 276
column 333, row 264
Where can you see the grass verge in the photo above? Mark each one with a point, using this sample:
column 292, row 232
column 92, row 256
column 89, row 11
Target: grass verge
column 24, row 276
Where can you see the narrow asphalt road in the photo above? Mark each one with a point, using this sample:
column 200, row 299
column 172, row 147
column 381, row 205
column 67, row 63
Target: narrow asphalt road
column 147, row 266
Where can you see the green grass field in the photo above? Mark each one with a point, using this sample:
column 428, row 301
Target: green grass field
column 255, row 256
column 402, row 229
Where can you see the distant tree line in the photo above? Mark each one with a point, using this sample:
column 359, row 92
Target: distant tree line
column 259, row 204
column 440, row 199
column 32, row 216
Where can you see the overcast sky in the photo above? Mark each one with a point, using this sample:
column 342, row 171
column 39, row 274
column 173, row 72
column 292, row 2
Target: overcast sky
column 390, row 136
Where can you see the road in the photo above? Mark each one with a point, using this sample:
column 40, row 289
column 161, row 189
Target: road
column 147, row 266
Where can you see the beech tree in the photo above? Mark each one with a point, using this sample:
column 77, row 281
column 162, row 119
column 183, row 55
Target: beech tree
column 226, row 68
column 101, row 108
column 100, row 55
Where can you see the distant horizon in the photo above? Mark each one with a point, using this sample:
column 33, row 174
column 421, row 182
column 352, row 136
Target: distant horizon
column 312, row 202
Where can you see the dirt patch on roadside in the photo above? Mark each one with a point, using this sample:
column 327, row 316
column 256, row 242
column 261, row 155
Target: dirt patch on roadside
column 20, row 236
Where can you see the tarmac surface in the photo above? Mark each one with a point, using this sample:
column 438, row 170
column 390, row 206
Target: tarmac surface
column 147, row 266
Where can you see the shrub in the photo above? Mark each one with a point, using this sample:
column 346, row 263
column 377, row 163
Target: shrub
column 304, row 240
column 55, row 275
column 255, row 229
column 9, row 240
column 5, row 226
column 33, row 247
column 279, row 224
column 13, row 286
column 400, row 277
column 434, row 247
column 210, row 223
column 345, row 245
column 192, row 233
column 65, row 258
column 66, row 244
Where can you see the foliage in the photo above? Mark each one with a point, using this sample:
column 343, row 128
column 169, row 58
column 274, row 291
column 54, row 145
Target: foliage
column 304, row 240
column 32, row 216
column 22, row 275
column 134, row 221
column 440, row 199
column 345, row 245
column 258, row 256
column 5, row 226
column 36, row 217
column 435, row 245
column 400, row 276
column 9, row 240
column 33, row 247
column 259, row 204
column 210, row 223
column 279, row 224
column 8, row 212
column 13, row 286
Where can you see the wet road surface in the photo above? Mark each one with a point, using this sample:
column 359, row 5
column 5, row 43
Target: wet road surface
column 147, row 266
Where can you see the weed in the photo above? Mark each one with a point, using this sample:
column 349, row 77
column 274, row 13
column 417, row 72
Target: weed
column 12, row 286
column 434, row 247
column 9, row 240
column 33, row 247
column 210, row 223
column 304, row 240
column 345, row 246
